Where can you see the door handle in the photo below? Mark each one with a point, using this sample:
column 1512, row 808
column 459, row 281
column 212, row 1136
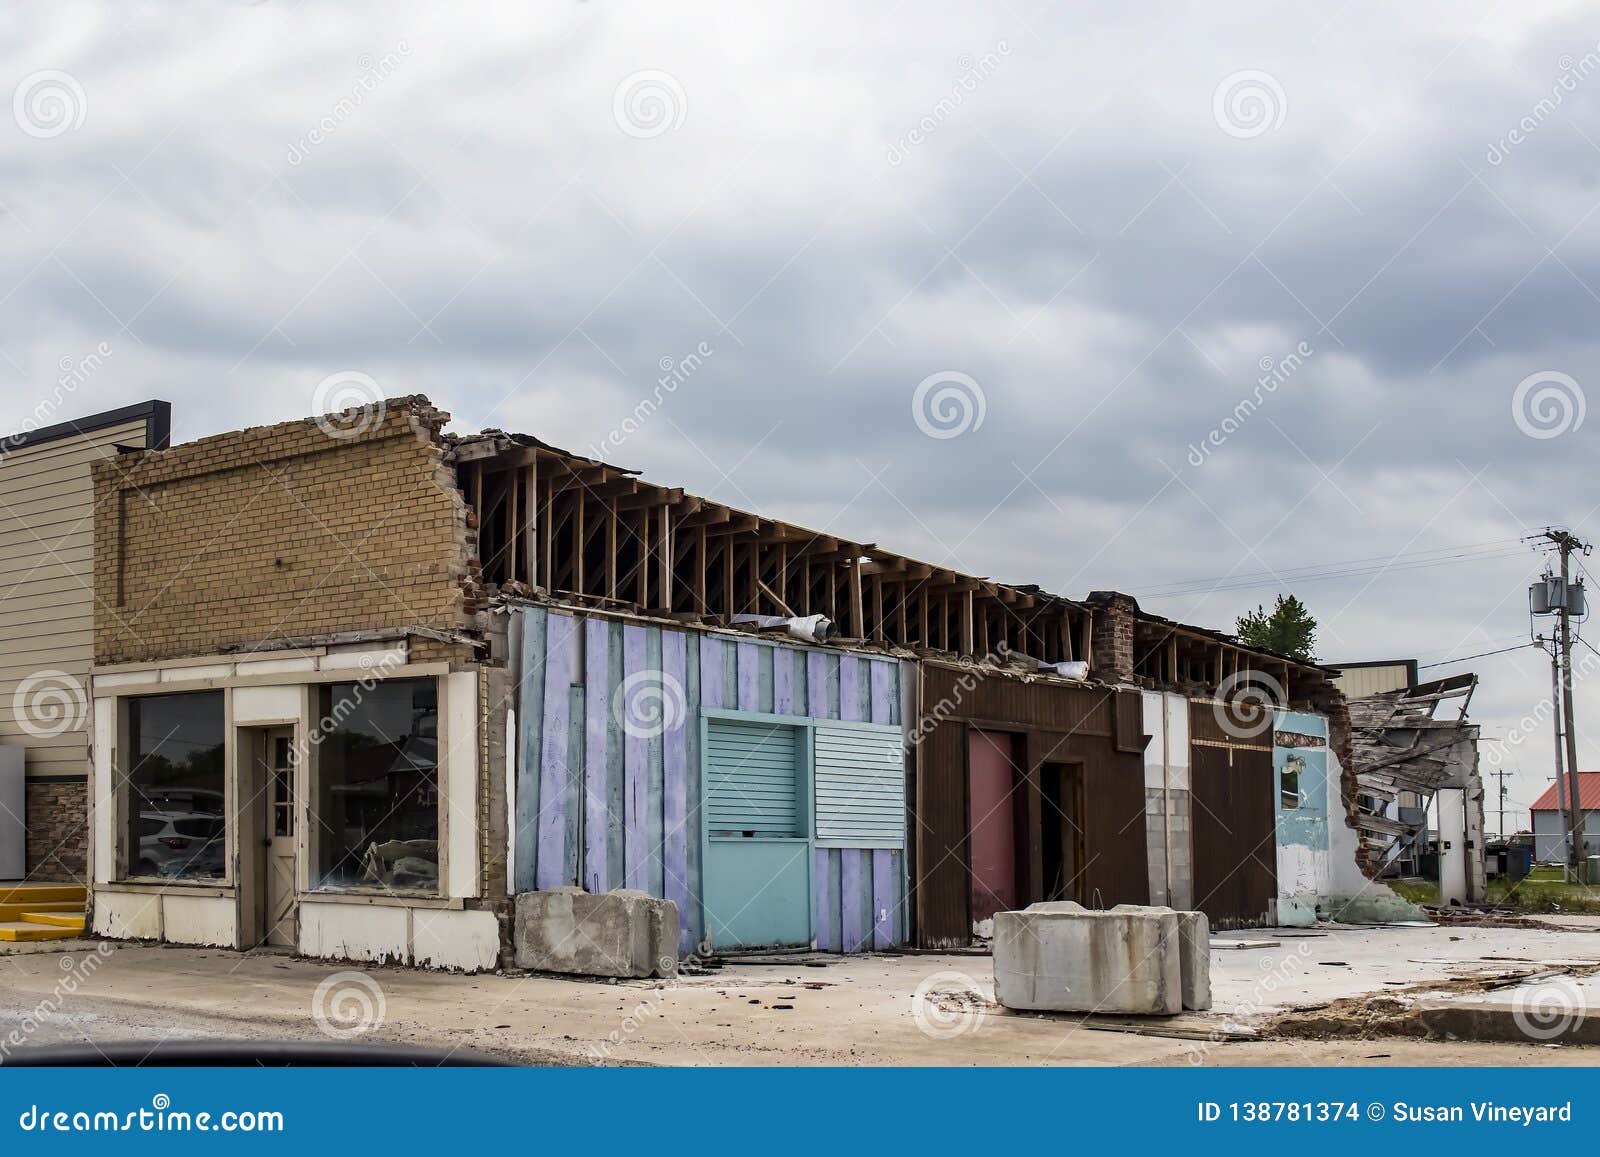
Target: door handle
column 266, row 841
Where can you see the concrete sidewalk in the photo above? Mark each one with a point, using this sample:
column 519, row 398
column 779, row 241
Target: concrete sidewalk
column 914, row 1010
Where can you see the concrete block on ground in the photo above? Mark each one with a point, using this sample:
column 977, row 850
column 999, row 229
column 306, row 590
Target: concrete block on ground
column 622, row 933
column 1062, row 957
column 1194, row 959
column 1194, row 953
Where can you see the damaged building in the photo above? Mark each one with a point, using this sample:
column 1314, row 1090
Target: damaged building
column 419, row 676
column 1414, row 747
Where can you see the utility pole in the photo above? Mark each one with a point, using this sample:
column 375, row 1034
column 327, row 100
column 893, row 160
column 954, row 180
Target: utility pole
column 1561, row 780
column 1566, row 543
column 1501, row 776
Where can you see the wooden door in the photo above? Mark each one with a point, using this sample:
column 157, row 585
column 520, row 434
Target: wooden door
column 1234, row 830
column 992, row 823
column 278, row 757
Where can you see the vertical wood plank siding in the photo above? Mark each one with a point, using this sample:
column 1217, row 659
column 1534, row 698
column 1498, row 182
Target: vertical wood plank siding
column 1060, row 724
column 596, row 785
column 554, row 768
column 603, row 808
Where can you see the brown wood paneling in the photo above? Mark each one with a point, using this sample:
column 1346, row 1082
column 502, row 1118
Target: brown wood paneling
column 940, row 822
column 1234, row 842
column 1058, row 724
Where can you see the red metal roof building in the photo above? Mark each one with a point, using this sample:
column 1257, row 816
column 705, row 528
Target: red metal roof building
column 1588, row 794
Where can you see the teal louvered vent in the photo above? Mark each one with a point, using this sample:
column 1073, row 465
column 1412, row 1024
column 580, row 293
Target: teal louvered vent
column 753, row 778
column 860, row 775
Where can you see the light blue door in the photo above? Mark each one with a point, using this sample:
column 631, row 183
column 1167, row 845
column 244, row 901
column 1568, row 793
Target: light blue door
column 757, row 870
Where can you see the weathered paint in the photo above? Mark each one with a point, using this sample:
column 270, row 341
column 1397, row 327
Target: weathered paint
column 596, row 789
column 992, row 791
column 636, row 747
column 1300, row 739
column 600, row 808
column 553, row 768
column 675, row 794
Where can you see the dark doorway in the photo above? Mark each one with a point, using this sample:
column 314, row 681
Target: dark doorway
column 1061, row 835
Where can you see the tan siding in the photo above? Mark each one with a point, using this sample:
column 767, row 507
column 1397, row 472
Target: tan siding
column 1357, row 682
column 47, row 581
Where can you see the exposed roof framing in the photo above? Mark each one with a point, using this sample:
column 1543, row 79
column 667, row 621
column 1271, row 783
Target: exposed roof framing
column 1195, row 660
column 550, row 520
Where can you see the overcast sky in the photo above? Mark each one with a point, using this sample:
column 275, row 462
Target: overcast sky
column 996, row 286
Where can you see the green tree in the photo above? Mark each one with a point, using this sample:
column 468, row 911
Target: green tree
column 1287, row 629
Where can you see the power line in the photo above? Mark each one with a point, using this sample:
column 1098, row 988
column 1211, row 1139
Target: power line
column 1283, row 579
column 1495, row 543
column 1482, row 655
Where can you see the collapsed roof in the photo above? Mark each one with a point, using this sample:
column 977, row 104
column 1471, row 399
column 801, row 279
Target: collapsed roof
column 1398, row 745
column 596, row 533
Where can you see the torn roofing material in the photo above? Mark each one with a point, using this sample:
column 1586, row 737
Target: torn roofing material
column 1398, row 745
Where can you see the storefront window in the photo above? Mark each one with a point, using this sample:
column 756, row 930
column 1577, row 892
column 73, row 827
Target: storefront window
column 176, row 828
column 375, row 819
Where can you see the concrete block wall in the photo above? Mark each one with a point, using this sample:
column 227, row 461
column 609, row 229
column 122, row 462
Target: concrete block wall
column 298, row 529
column 1168, row 836
column 1180, row 842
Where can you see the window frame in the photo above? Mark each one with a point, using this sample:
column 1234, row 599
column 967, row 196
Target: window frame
column 310, row 824
column 126, row 852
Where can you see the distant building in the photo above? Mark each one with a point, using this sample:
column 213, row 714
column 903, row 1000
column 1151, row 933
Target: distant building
column 1358, row 680
column 1549, row 830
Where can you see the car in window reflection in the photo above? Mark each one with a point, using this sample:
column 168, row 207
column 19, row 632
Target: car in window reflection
column 180, row 845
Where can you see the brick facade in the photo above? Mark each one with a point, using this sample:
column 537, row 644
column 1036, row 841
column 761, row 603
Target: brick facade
column 306, row 528
column 58, row 830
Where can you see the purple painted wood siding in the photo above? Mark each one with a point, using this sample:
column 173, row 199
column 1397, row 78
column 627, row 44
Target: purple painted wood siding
column 711, row 672
column 850, row 688
column 749, row 660
column 553, row 774
column 883, row 890
column 636, row 756
column 816, row 684
column 821, row 902
column 597, row 707
column 675, row 793
column 854, row 923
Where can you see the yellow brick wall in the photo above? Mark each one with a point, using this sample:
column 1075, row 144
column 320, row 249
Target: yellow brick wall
column 279, row 532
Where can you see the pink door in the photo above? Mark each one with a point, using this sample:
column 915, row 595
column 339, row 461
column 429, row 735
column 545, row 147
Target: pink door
column 991, row 806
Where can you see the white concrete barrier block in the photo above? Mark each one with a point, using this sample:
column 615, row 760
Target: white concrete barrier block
column 621, row 933
column 1194, row 953
column 1062, row 957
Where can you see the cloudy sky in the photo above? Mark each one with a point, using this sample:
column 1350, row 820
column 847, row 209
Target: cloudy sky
column 1199, row 302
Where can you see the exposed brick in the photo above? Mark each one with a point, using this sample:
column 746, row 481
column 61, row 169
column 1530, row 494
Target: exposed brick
column 1111, row 654
column 58, row 830
column 281, row 531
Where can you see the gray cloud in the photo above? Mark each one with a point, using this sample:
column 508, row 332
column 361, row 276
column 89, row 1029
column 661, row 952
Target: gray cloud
column 1072, row 229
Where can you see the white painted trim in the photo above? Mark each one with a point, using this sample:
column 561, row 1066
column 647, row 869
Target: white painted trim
column 459, row 766
column 102, row 779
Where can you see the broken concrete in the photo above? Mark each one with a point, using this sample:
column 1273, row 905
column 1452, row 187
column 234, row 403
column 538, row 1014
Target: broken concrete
column 1063, row 957
column 622, row 933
